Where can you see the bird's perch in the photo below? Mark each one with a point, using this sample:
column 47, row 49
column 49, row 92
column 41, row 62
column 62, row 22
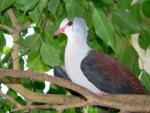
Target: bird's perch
column 130, row 103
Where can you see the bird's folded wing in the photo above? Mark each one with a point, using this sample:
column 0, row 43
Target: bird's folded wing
column 61, row 72
column 110, row 75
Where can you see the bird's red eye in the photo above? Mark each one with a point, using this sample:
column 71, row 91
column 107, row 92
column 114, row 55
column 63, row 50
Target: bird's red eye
column 69, row 23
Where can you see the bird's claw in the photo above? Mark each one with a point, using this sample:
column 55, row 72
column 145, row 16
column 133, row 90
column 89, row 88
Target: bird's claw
column 101, row 93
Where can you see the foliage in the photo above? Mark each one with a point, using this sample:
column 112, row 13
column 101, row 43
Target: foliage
column 110, row 22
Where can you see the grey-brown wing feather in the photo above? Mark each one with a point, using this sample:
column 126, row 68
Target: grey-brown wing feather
column 109, row 75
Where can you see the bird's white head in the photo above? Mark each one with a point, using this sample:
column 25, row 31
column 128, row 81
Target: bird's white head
column 77, row 26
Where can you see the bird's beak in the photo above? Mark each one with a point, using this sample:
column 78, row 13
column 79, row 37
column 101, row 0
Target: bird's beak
column 59, row 31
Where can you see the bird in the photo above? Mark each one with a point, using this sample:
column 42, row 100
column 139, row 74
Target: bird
column 94, row 70
column 60, row 71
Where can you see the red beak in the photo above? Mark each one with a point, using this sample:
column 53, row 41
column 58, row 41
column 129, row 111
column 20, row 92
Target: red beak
column 60, row 30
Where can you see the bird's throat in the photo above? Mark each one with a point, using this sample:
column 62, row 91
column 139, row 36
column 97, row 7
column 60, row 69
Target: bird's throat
column 76, row 50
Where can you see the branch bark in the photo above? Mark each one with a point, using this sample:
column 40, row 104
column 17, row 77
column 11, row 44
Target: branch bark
column 15, row 35
column 45, row 98
column 7, row 28
column 15, row 31
column 130, row 103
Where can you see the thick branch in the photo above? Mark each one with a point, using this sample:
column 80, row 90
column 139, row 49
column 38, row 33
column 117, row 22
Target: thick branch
column 45, row 98
column 131, row 103
column 44, row 77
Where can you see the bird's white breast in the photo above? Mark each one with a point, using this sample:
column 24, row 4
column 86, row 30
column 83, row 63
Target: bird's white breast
column 74, row 54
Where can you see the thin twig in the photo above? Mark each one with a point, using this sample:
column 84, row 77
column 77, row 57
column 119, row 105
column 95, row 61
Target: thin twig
column 15, row 35
column 12, row 17
column 57, row 107
column 10, row 100
column 45, row 98
column 7, row 28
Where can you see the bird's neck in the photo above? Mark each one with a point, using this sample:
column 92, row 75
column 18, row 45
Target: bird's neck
column 76, row 50
column 77, row 46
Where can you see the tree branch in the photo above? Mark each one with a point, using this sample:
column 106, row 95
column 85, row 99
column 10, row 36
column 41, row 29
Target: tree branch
column 131, row 103
column 57, row 107
column 24, row 26
column 9, row 29
column 44, row 77
column 11, row 100
column 12, row 17
column 15, row 35
column 45, row 98
column 17, row 28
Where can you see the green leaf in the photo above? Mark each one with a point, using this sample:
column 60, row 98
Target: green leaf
column 2, row 111
column 31, row 43
column 57, row 43
column 21, row 100
column 73, row 8
column 95, row 45
column 35, row 15
column 57, row 89
column 129, row 57
column 2, row 99
column 7, row 105
column 71, row 110
column 144, row 39
column 136, row 12
column 124, row 22
column 125, row 4
column 4, row 19
column 22, row 19
column 92, row 109
column 49, row 55
column 146, row 8
column 102, row 4
column 2, row 41
column 25, row 5
column 103, row 27
column 35, row 63
column 42, row 4
column 4, row 4
column 48, row 111
column 52, row 6
column 39, row 86
column 121, row 44
column 34, row 111
column 145, row 78
column 6, row 49
column 12, row 94
column 26, row 83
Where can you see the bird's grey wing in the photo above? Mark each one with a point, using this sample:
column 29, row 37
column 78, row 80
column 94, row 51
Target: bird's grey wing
column 110, row 75
column 61, row 72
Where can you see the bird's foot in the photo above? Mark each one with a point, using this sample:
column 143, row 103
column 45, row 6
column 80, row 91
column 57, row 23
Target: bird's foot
column 101, row 93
